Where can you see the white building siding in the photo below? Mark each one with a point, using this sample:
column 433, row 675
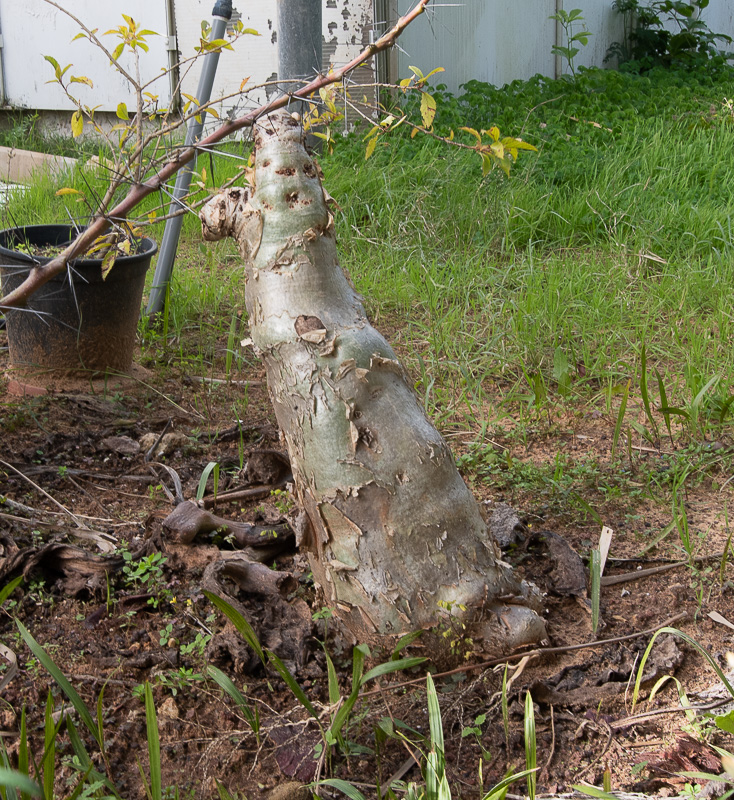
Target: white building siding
column 32, row 29
column 490, row 40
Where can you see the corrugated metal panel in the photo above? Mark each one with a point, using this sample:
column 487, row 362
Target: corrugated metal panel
column 488, row 40
column 32, row 29
column 497, row 42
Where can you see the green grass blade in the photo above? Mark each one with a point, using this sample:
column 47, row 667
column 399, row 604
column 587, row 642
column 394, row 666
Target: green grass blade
column 392, row 666
column 592, row 791
column 434, row 714
column 359, row 653
column 334, row 693
column 226, row 683
column 409, row 638
column 60, row 678
column 154, row 745
column 48, row 762
column 9, row 588
column 206, row 472
column 100, row 718
column 293, row 686
column 531, row 755
column 664, row 404
column 500, row 789
column 620, row 419
column 10, row 779
column 79, row 788
column 689, row 640
column 343, row 786
column 645, row 395
column 241, row 624
column 505, row 709
column 698, row 399
column 23, row 761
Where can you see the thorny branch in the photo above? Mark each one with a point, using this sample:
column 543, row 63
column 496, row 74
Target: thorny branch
column 39, row 275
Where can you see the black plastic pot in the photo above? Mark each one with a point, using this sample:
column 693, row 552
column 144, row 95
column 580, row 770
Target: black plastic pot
column 76, row 322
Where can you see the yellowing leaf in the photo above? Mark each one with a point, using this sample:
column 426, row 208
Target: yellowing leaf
column 370, row 147
column 244, row 82
column 77, row 123
column 82, row 79
column 108, row 262
column 434, row 72
column 117, row 52
column 428, row 109
column 67, row 190
column 122, row 111
column 473, row 133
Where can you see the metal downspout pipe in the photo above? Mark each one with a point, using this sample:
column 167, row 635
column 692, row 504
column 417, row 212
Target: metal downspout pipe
column 300, row 37
column 221, row 14
column 172, row 49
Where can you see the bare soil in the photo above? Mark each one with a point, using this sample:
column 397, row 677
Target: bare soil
column 76, row 461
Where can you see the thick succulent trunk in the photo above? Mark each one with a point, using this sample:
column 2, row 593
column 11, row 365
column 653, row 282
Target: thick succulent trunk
column 395, row 538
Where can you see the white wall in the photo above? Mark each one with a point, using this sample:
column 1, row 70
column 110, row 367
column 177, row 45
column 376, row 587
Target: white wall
column 499, row 41
column 32, row 28
column 491, row 40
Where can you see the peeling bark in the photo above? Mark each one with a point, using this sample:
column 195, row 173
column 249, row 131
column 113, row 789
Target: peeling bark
column 395, row 535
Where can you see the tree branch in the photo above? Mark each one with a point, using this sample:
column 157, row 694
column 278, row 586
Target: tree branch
column 39, row 275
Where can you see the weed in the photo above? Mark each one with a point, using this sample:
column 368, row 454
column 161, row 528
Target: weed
column 147, row 574
column 566, row 20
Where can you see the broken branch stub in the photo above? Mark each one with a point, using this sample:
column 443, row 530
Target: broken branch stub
column 395, row 537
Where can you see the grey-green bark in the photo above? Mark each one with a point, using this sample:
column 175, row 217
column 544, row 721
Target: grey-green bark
column 394, row 535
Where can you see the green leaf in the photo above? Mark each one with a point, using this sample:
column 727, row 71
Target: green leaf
column 620, row 417
column 122, row 111
column 50, row 730
column 693, row 643
column 9, row 588
column 206, row 472
column 343, row 786
column 226, row 683
column 243, row 626
column 409, row 638
column 293, row 685
column 11, row 778
column 392, row 666
column 592, row 791
column 154, row 745
column 334, row 693
column 59, row 677
column 531, row 755
column 725, row 722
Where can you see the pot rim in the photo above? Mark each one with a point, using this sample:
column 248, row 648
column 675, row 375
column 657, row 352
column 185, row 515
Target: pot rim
column 148, row 248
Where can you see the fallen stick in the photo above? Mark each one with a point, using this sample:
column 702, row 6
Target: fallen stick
column 540, row 651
